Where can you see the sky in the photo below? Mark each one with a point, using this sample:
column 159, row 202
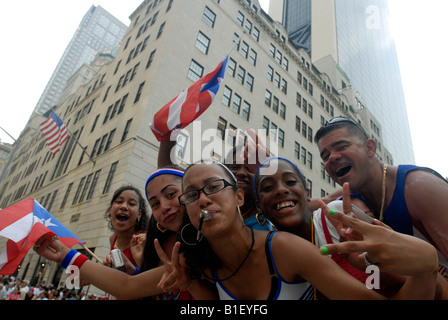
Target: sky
column 36, row 33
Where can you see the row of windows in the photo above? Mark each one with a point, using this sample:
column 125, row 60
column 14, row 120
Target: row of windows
column 278, row 81
column 236, row 104
column 241, row 76
column 274, row 132
column 304, row 156
column 304, row 129
column 248, row 26
column 277, row 106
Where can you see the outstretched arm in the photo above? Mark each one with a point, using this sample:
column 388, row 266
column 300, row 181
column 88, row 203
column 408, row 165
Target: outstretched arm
column 115, row 282
column 392, row 252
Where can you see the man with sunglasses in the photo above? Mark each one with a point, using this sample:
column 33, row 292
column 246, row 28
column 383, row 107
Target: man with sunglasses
column 410, row 199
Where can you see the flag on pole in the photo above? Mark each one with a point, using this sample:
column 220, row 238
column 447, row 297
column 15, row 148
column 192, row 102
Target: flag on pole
column 23, row 224
column 189, row 105
column 54, row 131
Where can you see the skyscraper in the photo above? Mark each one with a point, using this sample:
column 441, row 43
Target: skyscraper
column 269, row 86
column 99, row 31
column 356, row 34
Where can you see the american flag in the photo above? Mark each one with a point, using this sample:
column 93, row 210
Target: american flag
column 54, row 131
column 23, row 224
column 190, row 104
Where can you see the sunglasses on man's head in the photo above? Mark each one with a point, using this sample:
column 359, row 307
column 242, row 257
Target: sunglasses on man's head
column 346, row 120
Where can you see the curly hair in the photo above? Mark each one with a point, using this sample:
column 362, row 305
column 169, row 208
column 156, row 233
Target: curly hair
column 141, row 223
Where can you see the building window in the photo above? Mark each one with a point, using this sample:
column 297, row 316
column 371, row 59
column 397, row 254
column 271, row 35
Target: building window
column 248, row 26
column 93, row 185
column 195, row 71
column 240, row 18
column 78, row 191
column 151, row 57
column 109, row 140
column 267, row 98
column 249, row 82
column 275, row 104
column 236, row 106
column 298, row 124
column 281, row 138
column 277, row 80
column 272, row 50
column 209, row 17
column 273, row 132
column 110, row 177
column 244, row 49
column 67, row 193
column 126, row 130
column 246, row 111
column 202, row 43
column 270, row 73
column 222, row 124
column 310, row 160
column 266, row 125
column 282, row 110
column 256, row 34
column 303, row 155
column 226, row 96
column 231, row 67
column 296, row 150
column 139, row 92
column 284, row 86
column 241, row 75
column 253, row 57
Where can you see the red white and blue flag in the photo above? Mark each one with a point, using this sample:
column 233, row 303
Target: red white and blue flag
column 23, row 224
column 54, row 131
column 189, row 105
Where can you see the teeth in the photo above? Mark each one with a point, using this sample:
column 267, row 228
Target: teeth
column 285, row 204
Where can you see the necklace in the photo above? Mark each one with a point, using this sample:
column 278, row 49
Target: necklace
column 239, row 267
column 383, row 191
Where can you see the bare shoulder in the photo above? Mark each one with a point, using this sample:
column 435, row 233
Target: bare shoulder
column 286, row 243
column 425, row 192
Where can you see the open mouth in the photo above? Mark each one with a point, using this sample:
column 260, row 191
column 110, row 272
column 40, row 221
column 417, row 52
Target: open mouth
column 285, row 205
column 342, row 171
column 122, row 217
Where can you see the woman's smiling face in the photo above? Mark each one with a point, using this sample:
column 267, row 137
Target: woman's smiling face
column 163, row 192
column 125, row 211
column 282, row 196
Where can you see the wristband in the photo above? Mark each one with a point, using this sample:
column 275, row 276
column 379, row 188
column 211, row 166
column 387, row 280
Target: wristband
column 137, row 270
column 75, row 258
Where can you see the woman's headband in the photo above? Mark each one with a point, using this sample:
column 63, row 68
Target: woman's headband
column 161, row 171
column 273, row 158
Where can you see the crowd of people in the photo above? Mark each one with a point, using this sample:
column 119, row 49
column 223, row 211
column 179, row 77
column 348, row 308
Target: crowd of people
column 18, row 289
column 232, row 231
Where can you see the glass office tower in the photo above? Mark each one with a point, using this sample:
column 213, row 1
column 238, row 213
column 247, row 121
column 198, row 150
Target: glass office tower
column 357, row 34
column 99, row 31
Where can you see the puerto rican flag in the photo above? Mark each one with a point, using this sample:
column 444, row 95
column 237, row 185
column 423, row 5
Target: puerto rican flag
column 23, row 224
column 55, row 132
column 189, row 105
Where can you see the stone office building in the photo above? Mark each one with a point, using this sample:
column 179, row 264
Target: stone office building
column 269, row 86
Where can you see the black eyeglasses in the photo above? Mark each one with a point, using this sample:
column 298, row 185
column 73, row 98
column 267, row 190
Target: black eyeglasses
column 210, row 188
column 347, row 120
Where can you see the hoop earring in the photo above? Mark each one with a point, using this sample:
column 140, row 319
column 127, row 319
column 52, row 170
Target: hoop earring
column 263, row 219
column 161, row 229
column 239, row 211
column 182, row 235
